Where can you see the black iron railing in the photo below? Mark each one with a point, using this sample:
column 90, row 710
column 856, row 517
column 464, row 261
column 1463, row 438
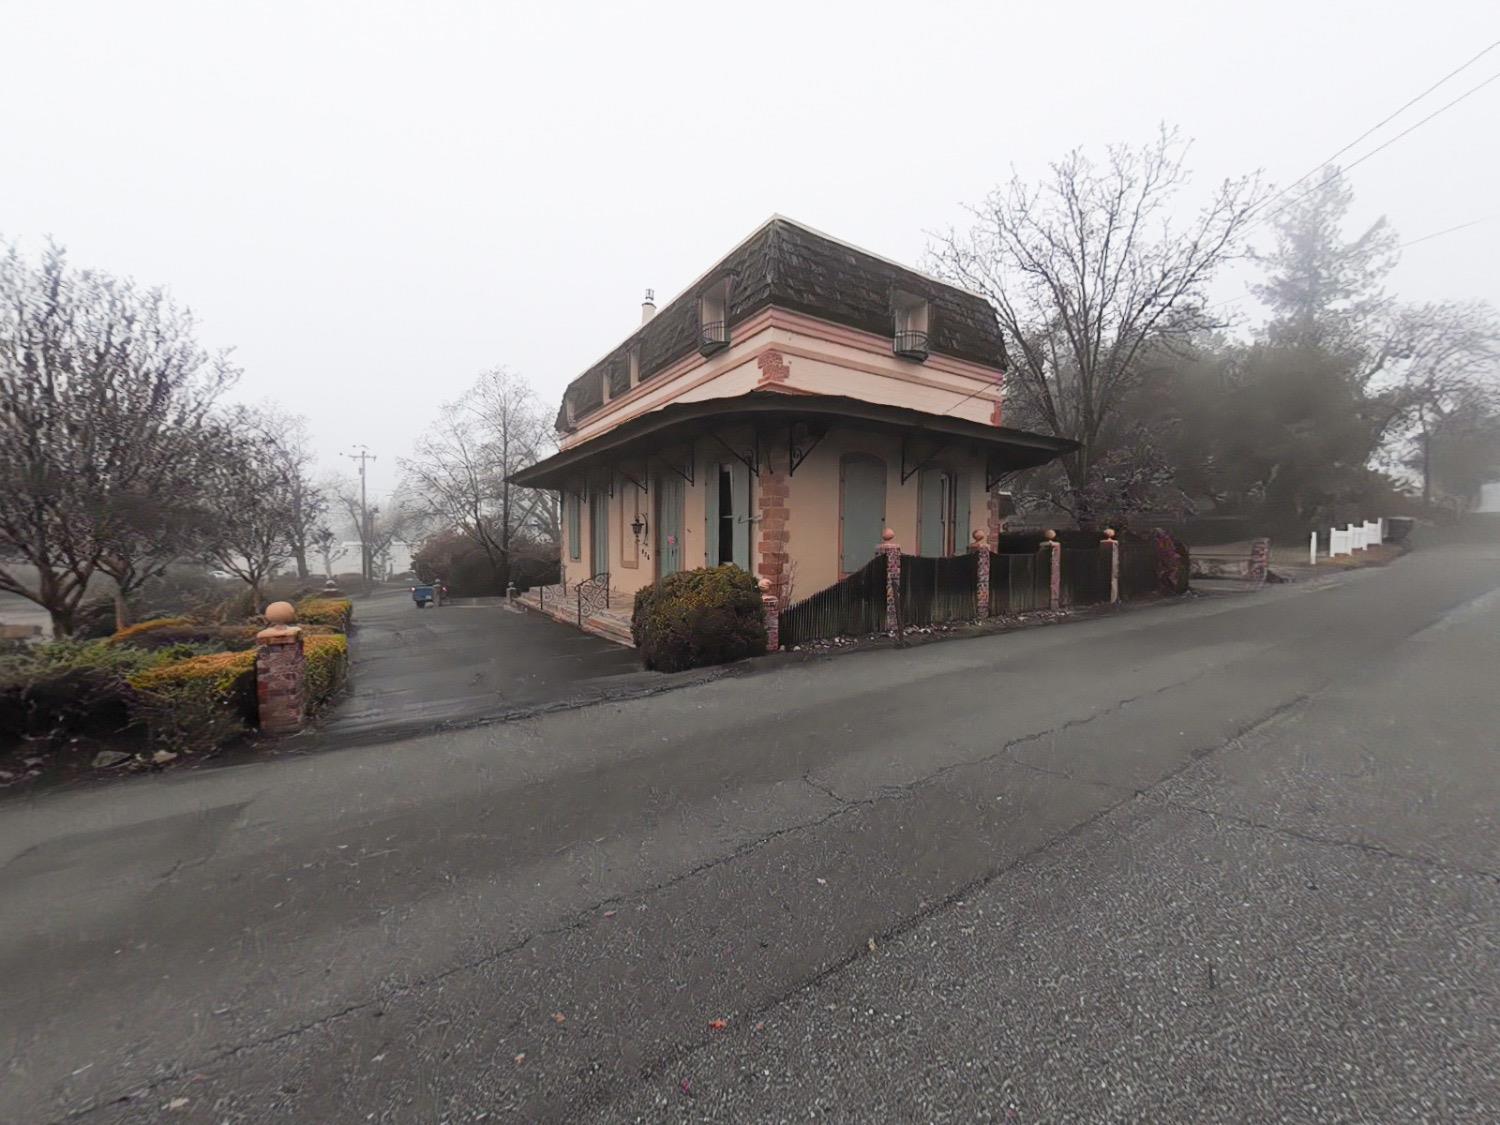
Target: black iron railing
column 713, row 336
column 593, row 595
column 912, row 345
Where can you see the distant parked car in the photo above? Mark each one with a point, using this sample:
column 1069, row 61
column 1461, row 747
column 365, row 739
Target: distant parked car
column 224, row 574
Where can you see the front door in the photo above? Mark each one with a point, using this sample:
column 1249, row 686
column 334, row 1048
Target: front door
column 598, row 532
column 668, row 524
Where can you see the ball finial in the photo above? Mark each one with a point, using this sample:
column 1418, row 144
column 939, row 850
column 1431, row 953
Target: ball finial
column 1049, row 535
column 887, row 535
column 979, row 535
column 1109, row 533
column 281, row 613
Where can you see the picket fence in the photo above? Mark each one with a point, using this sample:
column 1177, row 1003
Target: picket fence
column 1348, row 539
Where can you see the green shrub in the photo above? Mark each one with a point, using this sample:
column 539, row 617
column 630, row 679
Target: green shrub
column 698, row 617
column 327, row 666
column 337, row 612
column 210, row 638
column 230, row 675
column 195, row 717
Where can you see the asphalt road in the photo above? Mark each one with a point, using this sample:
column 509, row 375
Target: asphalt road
column 1234, row 859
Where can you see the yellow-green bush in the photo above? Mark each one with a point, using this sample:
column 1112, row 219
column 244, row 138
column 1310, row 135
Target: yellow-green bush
column 131, row 632
column 338, row 612
column 228, row 677
column 327, row 665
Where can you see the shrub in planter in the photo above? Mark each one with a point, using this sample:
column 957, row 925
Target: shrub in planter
column 337, row 612
column 327, row 666
column 698, row 617
column 231, row 675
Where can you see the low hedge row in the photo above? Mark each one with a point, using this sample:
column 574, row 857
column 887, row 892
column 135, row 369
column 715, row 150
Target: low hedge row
column 327, row 666
column 130, row 633
column 698, row 617
column 231, row 675
column 337, row 612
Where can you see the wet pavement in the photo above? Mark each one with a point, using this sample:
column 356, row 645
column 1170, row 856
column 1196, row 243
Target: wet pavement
column 415, row 670
column 1233, row 859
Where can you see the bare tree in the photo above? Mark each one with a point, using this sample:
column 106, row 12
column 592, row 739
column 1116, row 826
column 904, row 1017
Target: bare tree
column 328, row 548
column 460, row 471
column 105, row 424
column 292, row 459
column 1087, row 271
column 248, row 491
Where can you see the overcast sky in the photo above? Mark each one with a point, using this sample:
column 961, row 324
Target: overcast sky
column 373, row 201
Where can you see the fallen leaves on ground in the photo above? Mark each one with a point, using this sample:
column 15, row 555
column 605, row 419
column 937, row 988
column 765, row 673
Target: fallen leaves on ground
column 558, row 1017
column 718, row 1024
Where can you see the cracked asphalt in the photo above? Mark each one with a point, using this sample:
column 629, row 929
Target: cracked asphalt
column 1225, row 860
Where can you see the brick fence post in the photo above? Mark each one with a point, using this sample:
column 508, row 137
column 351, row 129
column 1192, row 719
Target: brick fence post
column 1054, row 568
column 981, row 551
column 1260, row 560
column 1112, row 545
column 280, row 672
column 892, row 552
column 771, row 607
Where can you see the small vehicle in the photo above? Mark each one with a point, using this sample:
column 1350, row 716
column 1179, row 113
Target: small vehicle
column 424, row 596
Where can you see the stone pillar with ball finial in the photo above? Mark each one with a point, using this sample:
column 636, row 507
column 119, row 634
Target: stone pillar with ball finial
column 280, row 672
column 891, row 550
column 1112, row 545
column 1053, row 552
column 981, row 549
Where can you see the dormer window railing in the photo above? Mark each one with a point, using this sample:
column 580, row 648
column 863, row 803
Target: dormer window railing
column 910, row 344
column 713, row 336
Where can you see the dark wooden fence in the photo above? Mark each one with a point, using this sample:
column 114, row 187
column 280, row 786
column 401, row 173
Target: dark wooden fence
column 1137, row 570
column 852, row 607
column 1085, row 575
column 938, row 589
column 1019, row 583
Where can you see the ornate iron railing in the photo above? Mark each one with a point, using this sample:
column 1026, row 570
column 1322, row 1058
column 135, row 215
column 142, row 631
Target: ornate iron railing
column 593, row 595
column 713, row 336
column 912, row 345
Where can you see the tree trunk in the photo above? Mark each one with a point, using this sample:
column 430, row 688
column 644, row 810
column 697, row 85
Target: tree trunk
column 62, row 622
column 299, row 556
column 122, row 608
column 1426, row 466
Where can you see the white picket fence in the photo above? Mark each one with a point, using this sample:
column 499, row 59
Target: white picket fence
column 1348, row 539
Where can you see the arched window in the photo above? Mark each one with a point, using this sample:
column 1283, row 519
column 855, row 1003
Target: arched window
column 861, row 509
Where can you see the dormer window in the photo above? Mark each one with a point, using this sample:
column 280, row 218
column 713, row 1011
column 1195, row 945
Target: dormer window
column 909, row 331
column 635, row 365
column 713, row 318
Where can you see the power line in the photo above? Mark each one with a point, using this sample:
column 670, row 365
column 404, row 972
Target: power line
column 1319, row 186
column 1382, row 123
column 1450, row 230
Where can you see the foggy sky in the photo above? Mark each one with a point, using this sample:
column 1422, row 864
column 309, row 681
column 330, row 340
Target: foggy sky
column 374, row 201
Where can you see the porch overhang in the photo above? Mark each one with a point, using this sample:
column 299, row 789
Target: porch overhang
column 769, row 414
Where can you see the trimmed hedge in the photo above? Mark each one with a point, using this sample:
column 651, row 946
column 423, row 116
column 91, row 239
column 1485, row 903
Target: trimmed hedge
column 228, row 637
column 131, row 632
column 230, row 674
column 327, row 666
column 699, row 617
column 338, row 612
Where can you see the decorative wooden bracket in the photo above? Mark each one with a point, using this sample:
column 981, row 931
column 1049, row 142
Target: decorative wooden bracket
column 797, row 451
column 636, row 477
column 685, row 469
column 752, row 461
column 917, row 466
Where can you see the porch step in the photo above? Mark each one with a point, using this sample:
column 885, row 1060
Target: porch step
column 610, row 624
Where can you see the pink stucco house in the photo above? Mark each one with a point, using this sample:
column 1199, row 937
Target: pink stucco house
column 793, row 401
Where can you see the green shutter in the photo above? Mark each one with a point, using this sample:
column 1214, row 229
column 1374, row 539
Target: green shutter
column 570, row 506
column 711, row 516
column 960, row 513
column 739, row 489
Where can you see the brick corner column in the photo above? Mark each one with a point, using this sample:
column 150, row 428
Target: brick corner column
column 892, row 552
column 1054, row 568
column 773, row 496
column 771, row 607
column 280, row 679
column 981, row 549
column 1112, row 545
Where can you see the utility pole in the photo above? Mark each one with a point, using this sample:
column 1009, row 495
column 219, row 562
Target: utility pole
column 362, row 457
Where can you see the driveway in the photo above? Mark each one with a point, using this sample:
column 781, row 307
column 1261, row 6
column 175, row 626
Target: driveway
column 419, row 669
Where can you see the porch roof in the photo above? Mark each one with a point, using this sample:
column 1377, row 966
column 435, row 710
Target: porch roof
column 769, row 413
